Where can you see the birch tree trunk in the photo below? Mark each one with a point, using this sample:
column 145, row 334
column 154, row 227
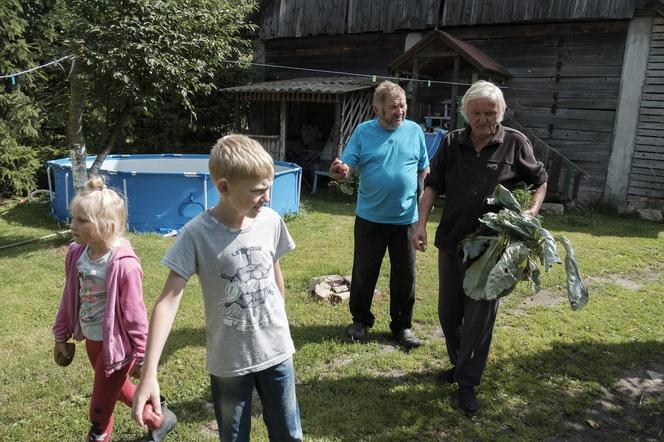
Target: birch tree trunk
column 112, row 138
column 75, row 133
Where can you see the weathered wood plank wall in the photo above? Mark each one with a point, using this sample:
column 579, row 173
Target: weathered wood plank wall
column 472, row 12
column 355, row 53
column 299, row 18
column 646, row 179
column 565, row 84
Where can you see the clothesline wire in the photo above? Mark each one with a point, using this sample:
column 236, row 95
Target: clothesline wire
column 16, row 74
column 374, row 77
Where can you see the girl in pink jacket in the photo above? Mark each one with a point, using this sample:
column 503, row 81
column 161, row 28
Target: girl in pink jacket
column 102, row 302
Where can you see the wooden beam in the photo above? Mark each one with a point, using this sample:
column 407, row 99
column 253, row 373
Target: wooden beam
column 282, row 129
column 414, row 90
column 453, row 106
column 336, row 129
column 236, row 122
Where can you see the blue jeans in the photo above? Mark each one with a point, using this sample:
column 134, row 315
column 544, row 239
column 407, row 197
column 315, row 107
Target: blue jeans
column 231, row 397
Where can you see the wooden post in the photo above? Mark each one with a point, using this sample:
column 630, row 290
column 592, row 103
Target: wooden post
column 414, row 90
column 336, row 128
column 282, row 131
column 453, row 107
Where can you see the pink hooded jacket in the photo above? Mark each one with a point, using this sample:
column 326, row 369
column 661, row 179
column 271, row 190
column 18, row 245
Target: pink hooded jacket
column 125, row 318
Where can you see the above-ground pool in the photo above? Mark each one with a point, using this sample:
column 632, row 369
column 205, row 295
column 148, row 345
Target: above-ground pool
column 163, row 192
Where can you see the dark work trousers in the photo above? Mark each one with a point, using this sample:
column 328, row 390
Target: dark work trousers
column 371, row 240
column 467, row 324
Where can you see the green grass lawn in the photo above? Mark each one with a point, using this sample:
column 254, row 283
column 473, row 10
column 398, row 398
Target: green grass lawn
column 549, row 366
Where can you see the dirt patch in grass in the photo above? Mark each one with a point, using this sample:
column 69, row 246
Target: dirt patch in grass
column 632, row 409
column 630, row 283
column 543, row 298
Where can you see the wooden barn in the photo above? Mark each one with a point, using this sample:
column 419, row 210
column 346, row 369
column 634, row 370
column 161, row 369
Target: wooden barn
column 584, row 79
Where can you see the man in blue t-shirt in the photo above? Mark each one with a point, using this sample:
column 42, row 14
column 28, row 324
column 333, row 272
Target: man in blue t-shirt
column 390, row 155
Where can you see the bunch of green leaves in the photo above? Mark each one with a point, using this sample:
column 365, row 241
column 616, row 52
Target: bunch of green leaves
column 508, row 247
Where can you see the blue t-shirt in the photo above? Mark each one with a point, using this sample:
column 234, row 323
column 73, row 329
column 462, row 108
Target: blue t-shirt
column 389, row 162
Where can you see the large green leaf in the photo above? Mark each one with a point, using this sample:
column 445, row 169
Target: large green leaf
column 503, row 197
column 577, row 292
column 507, row 272
column 549, row 250
column 474, row 246
column 476, row 276
column 533, row 274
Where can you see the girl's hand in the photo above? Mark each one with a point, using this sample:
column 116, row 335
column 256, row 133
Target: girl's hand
column 63, row 353
column 135, row 371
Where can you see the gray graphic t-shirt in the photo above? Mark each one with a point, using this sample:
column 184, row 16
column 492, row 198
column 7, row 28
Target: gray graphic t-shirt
column 245, row 319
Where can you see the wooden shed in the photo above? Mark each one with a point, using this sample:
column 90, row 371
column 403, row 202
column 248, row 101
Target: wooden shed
column 277, row 108
column 448, row 62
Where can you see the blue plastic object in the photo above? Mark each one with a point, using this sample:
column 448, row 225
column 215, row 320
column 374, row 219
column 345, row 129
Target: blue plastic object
column 433, row 141
column 163, row 192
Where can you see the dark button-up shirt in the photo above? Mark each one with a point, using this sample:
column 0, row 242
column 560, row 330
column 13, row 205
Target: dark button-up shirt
column 467, row 178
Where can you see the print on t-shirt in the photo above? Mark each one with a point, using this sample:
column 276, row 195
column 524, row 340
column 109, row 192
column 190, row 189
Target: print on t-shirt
column 93, row 298
column 246, row 294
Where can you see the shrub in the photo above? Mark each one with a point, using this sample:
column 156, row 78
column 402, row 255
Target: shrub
column 18, row 166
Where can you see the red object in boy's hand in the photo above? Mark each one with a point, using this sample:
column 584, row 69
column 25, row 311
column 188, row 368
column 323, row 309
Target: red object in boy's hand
column 150, row 416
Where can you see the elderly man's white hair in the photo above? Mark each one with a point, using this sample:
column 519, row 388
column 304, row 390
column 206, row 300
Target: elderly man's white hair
column 483, row 89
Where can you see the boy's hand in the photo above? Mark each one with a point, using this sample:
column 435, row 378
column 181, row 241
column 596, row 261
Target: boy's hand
column 147, row 390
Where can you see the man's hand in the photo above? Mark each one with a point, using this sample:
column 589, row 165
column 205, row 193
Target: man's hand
column 338, row 170
column 419, row 238
column 530, row 213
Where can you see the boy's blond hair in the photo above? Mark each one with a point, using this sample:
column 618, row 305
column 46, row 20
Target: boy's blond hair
column 239, row 157
column 103, row 207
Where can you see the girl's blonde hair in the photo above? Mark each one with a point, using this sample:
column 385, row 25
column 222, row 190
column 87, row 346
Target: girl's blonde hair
column 237, row 156
column 103, row 207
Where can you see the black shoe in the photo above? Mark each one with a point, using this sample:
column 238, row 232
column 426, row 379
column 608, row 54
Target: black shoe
column 407, row 339
column 357, row 331
column 468, row 399
column 157, row 434
column 447, row 376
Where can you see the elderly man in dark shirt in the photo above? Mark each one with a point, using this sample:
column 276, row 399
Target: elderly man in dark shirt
column 468, row 166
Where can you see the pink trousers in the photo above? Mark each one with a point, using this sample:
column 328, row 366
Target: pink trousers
column 106, row 391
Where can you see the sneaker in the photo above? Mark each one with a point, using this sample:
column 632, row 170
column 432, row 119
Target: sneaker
column 167, row 424
column 446, row 376
column 407, row 339
column 357, row 331
column 468, row 399
column 98, row 435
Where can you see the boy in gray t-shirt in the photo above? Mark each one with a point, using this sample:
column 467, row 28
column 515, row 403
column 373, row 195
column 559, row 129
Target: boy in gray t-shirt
column 234, row 248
